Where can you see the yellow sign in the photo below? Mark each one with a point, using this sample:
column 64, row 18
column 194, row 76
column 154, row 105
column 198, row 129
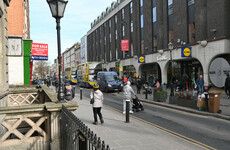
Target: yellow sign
column 141, row 59
column 187, row 52
column 121, row 67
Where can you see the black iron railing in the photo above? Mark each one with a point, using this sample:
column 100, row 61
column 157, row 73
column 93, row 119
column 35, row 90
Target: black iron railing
column 75, row 135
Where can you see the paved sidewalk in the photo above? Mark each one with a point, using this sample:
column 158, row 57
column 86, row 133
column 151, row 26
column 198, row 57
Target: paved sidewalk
column 135, row 135
column 224, row 104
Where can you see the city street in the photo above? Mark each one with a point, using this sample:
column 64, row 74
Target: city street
column 207, row 131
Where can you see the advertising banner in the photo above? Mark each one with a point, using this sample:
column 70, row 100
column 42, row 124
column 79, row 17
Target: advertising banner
column 124, row 45
column 39, row 51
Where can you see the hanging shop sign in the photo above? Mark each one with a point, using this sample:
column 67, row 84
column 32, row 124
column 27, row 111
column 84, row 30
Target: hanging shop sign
column 39, row 51
column 121, row 67
column 141, row 59
column 124, row 45
column 117, row 64
column 218, row 70
column 186, row 52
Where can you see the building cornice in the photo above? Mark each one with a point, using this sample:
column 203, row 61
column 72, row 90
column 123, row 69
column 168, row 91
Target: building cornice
column 111, row 14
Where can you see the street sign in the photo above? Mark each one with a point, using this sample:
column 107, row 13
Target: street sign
column 39, row 51
column 39, row 58
column 117, row 64
column 124, row 45
column 121, row 67
column 186, row 52
column 141, row 59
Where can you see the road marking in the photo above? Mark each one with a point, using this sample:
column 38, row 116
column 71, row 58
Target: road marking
column 187, row 139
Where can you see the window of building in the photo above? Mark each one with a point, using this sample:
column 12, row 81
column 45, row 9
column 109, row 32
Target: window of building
column 105, row 42
column 191, row 21
column 170, row 20
column 154, row 13
column 123, row 27
column 110, row 40
column 115, row 26
column 131, row 28
column 104, row 33
column 142, row 27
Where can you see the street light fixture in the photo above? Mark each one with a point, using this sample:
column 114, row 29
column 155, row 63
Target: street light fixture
column 57, row 8
column 170, row 46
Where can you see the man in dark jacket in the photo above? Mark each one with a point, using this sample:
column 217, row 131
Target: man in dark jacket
column 69, row 91
column 200, row 84
column 227, row 85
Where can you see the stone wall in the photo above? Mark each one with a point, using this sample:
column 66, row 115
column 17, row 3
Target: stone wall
column 4, row 86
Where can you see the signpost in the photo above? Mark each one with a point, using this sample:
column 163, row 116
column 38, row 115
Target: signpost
column 39, row 51
column 124, row 45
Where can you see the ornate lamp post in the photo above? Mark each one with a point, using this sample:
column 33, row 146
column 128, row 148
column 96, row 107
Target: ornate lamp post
column 57, row 8
column 170, row 46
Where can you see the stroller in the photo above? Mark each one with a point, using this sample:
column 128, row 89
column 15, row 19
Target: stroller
column 137, row 104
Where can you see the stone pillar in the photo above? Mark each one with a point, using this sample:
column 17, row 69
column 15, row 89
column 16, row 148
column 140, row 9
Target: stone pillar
column 4, row 86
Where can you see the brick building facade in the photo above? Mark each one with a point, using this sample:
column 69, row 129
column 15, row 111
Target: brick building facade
column 18, row 18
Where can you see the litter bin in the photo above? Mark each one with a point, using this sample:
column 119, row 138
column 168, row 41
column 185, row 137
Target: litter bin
column 214, row 102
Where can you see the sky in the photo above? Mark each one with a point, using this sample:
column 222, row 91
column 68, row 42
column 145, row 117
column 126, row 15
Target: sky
column 74, row 25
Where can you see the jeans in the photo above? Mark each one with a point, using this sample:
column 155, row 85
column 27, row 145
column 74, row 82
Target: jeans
column 201, row 89
column 130, row 105
column 97, row 111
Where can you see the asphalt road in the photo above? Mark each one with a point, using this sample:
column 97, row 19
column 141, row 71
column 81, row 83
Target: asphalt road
column 210, row 132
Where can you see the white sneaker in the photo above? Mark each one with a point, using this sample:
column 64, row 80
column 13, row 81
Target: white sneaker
column 131, row 112
column 123, row 112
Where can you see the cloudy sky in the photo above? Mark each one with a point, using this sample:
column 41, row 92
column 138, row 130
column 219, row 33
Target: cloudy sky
column 74, row 25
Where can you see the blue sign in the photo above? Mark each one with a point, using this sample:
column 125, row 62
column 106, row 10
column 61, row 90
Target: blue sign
column 186, row 52
column 39, row 57
column 141, row 59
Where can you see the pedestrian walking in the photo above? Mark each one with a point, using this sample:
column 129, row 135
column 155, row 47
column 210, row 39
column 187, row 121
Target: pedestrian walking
column 200, row 84
column 150, row 79
column 227, row 85
column 97, row 102
column 139, row 85
column 69, row 91
column 184, row 82
column 56, row 85
column 48, row 82
column 128, row 92
column 125, row 80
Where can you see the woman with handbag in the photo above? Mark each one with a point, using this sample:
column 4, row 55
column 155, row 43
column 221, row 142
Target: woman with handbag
column 97, row 101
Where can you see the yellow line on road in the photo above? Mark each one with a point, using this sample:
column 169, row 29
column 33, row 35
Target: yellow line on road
column 199, row 144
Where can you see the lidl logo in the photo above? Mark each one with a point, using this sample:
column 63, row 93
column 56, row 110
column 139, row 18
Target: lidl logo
column 186, row 52
column 141, row 59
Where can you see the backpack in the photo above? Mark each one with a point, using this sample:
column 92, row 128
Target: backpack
column 68, row 90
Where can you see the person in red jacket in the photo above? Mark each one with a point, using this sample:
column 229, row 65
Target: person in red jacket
column 125, row 79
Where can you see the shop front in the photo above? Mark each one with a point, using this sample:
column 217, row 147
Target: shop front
column 190, row 67
column 151, row 69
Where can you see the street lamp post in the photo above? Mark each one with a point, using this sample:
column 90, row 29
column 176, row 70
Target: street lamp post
column 57, row 8
column 170, row 46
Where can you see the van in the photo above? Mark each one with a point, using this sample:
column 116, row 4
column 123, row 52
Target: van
column 109, row 81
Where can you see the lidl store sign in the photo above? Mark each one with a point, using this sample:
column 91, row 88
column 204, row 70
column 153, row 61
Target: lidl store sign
column 141, row 59
column 186, row 52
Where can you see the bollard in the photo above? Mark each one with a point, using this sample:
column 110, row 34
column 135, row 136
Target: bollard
column 80, row 93
column 146, row 93
column 127, row 111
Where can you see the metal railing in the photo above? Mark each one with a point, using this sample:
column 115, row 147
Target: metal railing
column 75, row 135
